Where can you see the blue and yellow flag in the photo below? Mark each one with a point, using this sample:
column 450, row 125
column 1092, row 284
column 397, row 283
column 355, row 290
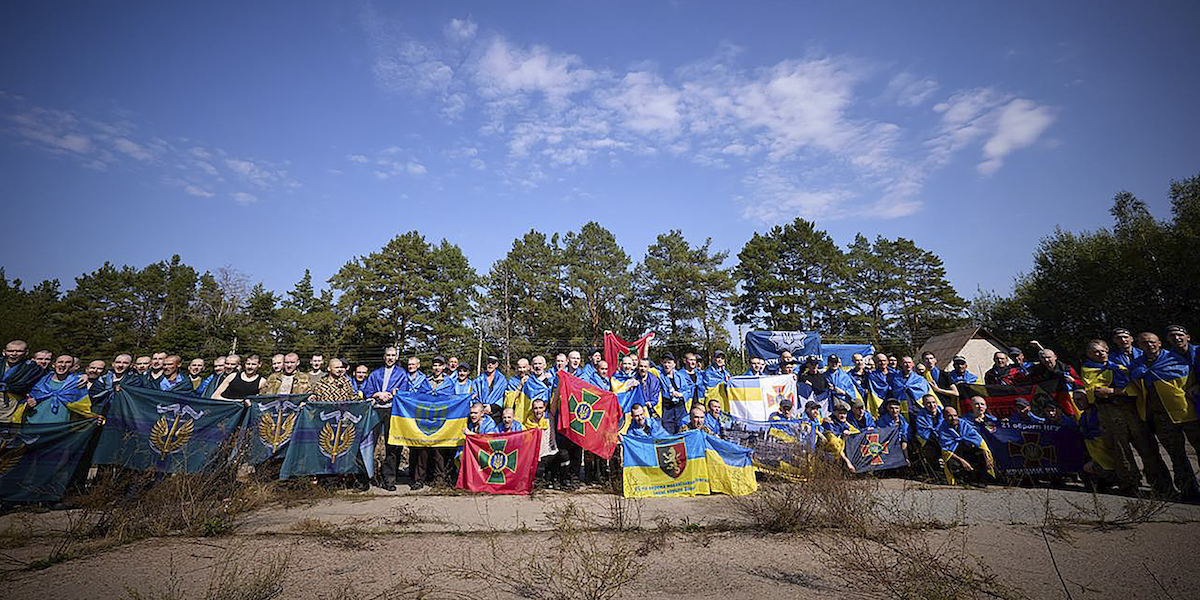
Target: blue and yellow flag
column 425, row 420
column 57, row 401
column 149, row 430
column 671, row 466
column 730, row 470
column 37, row 461
column 520, row 397
column 269, row 424
column 331, row 438
column 1169, row 374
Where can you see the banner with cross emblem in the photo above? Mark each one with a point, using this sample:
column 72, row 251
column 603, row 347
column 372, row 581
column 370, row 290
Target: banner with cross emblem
column 500, row 463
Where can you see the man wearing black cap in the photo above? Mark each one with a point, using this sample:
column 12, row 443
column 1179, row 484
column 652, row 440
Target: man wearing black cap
column 1017, row 356
column 1024, row 413
column 439, row 380
column 716, row 374
column 1123, row 351
column 784, row 413
column 813, row 376
column 1180, row 342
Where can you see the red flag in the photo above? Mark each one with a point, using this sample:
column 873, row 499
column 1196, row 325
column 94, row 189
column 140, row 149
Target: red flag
column 588, row 415
column 500, row 463
column 615, row 348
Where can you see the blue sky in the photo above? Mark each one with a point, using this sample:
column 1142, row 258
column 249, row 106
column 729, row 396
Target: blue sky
column 274, row 136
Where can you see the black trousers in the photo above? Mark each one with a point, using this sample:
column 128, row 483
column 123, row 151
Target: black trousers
column 570, row 453
column 386, row 473
column 421, row 457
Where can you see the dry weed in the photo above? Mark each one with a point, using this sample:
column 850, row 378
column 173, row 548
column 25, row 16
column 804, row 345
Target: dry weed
column 234, row 577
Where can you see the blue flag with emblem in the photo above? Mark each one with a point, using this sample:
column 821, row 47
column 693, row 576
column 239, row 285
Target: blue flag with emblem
column 875, row 450
column 768, row 345
column 1034, row 448
column 38, row 460
column 269, row 424
column 331, row 438
column 149, row 430
column 426, row 420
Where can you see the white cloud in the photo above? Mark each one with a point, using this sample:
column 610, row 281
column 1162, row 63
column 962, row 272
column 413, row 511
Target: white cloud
column 461, row 30
column 244, row 197
column 132, row 148
column 1019, row 125
column 549, row 112
column 196, row 191
column 907, row 89
column 1007, row 124
column 506, row 70
column 358, row 158
column 101, row 145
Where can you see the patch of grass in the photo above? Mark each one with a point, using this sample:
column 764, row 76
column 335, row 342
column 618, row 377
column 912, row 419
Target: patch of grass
column 580, row 562
column 233, row 577
column 347, row 538
column 820, row 495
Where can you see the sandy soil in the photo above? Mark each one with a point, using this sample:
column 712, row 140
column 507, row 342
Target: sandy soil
column 363, row 546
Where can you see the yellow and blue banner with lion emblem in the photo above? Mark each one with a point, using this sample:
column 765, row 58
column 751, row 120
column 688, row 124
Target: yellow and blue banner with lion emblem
column 428, row 421
column 669, row 466
column 149, row 430
column 331, row 438
column 38, row 460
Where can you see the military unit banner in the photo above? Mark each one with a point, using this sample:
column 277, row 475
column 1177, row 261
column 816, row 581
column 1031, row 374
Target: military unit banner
column 37, row 461
column 149, row 430
column 768, row 345
column 1002, row 399
column 331, row 438
column 777, row 446
column 690, row 464
column 428, row 421
column 755, row 398
column 500, row 463
column 1020, row 449
column 269, row 425
column 875, row 450
column 588, row 415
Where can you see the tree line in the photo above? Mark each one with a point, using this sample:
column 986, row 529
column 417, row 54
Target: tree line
column 554, row 292
column 550, row 292
column 1140, row 274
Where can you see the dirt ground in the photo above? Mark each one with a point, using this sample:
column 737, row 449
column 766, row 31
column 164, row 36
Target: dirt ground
column 368, row 546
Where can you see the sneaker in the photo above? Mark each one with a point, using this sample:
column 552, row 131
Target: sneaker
column 416, row 485
column 391, row 487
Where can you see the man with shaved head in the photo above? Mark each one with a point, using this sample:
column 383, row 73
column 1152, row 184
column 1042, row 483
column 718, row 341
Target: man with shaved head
column 156, row 364
column 43, row 358
column 195, row 371
column 58, row 394
column 17, row 376
column 172, row 379
column 289, row 380
column 142, row 366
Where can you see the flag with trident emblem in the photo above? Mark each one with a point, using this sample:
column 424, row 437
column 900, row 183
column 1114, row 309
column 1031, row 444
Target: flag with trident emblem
column 149, row 430
column 332, row 438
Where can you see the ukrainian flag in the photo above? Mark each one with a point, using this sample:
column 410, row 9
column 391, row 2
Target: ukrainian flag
column 669, row 466
column 425, row 420
column 520, row 398
column 1169, row 374
column 730, row 470
column 57, row 404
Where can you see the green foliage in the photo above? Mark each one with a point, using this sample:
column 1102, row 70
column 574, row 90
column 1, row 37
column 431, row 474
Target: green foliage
column 410, row 293
column 791, row 280
column 684, row 291
column 890, row 292
column 598, row 278
column 1140, row 274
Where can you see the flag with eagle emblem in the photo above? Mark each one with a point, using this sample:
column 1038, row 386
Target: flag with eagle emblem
column 38, row 460
column 331, row 438
column 500, row 463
